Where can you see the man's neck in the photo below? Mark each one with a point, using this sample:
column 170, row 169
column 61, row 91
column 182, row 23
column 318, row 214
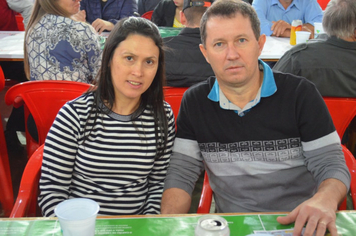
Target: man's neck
column 240, row 96
column 286, row 3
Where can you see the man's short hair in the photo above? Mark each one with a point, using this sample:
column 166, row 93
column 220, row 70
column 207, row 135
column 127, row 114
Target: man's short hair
column 194, row 12
column 340, row 18
column 229, row 9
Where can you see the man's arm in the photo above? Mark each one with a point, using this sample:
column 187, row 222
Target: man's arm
column 261, row 8
column 22, row 6
column 318, row 213
column 175, row 201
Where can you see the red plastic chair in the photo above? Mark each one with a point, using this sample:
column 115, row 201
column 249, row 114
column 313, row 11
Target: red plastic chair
column 206, row 196
column 173, row 95
column 43, row 99
column 351, row 165
column 6, row 191
column 207, row 193
column 323, row 3
column 19, row 21
column 342, row 111
column 147, row 15
column 26, row 202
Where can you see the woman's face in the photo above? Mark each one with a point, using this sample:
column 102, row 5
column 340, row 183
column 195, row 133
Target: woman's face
column 178, row 3
column 133, row 67
column 70, row 6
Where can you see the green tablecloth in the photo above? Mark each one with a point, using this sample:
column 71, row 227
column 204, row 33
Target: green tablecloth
column 240, row 225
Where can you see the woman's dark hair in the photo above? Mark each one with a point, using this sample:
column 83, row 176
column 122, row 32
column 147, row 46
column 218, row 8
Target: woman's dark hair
column 153, row 96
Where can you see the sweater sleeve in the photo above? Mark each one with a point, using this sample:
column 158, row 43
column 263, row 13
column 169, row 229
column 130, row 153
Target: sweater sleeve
column 58, row 160
column 94, row 52
column 22, row 6
column 159, row 171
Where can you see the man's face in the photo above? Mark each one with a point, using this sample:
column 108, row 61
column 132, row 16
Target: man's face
column 232, row 50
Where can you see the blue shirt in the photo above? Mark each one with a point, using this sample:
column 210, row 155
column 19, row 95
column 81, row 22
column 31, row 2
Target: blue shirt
column 113, row 10
column 309, row 11
column 267, row 89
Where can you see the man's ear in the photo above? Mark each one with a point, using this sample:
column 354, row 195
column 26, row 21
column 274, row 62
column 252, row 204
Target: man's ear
column 183, row 19
column 203, row 50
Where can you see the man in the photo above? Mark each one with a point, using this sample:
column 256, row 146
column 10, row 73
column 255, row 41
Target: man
column 276, row 16
column 185, row 64
column 329, row 63
column 265, row 139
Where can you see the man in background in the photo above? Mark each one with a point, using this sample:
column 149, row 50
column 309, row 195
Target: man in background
column 276, row 16
column 185, row 64
column 265, row 139
column 329, row 62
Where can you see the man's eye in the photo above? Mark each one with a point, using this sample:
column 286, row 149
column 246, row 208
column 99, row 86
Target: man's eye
column 218, row 44
column 129, row 58
column 242, row 40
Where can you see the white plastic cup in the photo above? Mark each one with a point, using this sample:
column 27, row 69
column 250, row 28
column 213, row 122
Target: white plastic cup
column 302, row 36
column 318, row 29
column 77, row 216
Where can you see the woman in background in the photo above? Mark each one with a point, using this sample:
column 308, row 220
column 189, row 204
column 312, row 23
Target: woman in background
column 58, row 47
column 167, row 13
column 104, row 14
column 113, row 144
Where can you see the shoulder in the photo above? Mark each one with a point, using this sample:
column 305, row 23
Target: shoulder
column 292, row 83
column 81, row 103
column 199, row 91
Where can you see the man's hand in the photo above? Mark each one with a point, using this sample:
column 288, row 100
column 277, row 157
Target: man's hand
column 101, row 25
column 280, row 28
column 318, row 213
column 80, row 16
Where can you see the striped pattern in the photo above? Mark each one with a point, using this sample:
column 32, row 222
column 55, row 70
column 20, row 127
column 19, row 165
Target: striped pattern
column 115, row 166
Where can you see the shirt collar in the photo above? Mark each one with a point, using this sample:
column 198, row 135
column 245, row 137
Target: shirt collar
column 295, row 3
column 267, row 89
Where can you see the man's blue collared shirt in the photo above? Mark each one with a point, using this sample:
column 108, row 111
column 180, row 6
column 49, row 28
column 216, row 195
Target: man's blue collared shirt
column 267, row 89
column 309, row 11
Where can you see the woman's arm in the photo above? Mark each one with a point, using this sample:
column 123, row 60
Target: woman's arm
column 158, row 173
column 58, row 160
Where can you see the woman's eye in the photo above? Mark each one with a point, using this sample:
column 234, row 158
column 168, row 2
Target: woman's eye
column 149, row 62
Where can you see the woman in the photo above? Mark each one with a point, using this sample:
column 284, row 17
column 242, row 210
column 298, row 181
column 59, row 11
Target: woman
column 113, row 144
column 59, row 48
column 104, row 14
column 167, row 13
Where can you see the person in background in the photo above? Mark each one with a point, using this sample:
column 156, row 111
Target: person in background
column 146, row 6
column 120, row 134
column 167, row 13
column 265, row 139
column 276, row 16
column 58, row 47
column 14, row 70
column 104, row 14
column 334, row 75
column 185, row 64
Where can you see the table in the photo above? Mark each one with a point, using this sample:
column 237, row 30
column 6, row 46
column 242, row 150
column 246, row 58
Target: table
column 11, row 45
column 164, row 225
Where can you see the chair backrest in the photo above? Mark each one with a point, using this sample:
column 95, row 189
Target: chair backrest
column 2, row 79
column 173, row 95
column 342, row 111
column 6, row 191
column 207, row 193
column 43, row 99
column 323, row 3
column 19, row 22
column 26, row 201
column 147, row 15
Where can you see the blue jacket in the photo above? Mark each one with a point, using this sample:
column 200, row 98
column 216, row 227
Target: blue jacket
column 113, row 10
